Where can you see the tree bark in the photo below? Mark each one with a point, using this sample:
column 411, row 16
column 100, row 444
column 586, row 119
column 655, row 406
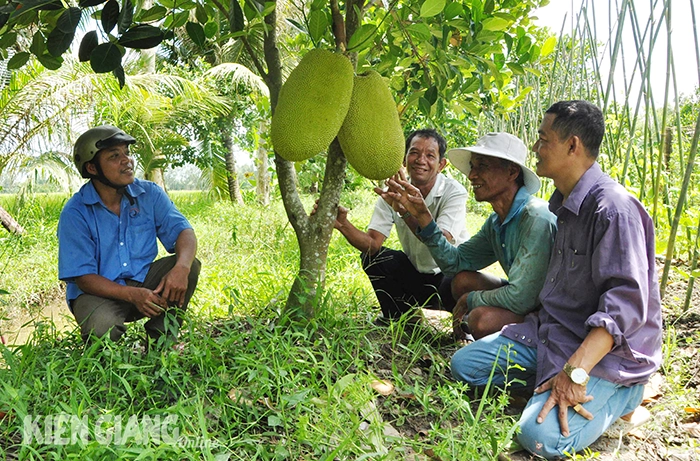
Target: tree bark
column 234, row 188
column 262, row 187
column 313, row 232
column 9, row 223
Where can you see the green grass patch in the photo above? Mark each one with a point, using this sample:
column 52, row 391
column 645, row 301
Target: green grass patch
column 240, row 386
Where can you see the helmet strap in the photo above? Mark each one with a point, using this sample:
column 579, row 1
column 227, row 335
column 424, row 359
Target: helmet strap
column 121, row 190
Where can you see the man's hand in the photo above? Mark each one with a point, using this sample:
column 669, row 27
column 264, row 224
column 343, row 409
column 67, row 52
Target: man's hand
column 389, row 195
column 147, row 302
column 458, row 313
column 341, row 217
column 565, row 394
column 410, row 198
column 173, row 285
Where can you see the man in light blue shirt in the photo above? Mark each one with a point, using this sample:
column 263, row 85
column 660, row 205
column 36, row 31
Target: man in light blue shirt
column 519, row 235
column 107, row 244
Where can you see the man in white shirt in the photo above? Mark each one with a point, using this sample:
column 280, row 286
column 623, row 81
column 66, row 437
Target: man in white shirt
column 404, row 279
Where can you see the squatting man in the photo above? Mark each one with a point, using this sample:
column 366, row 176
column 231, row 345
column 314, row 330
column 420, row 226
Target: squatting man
column 406, row 278
column 519, row 235
column 107, row 244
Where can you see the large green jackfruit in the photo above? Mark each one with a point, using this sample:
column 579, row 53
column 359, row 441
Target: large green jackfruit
column 371, row 135
column 312, row 105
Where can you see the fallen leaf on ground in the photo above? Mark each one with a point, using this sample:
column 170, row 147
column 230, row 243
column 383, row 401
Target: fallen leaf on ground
column 383, row 387
column 692, row 428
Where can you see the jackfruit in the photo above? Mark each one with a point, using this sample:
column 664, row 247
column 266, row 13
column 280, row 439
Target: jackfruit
column 371, row 136
column 312, row 105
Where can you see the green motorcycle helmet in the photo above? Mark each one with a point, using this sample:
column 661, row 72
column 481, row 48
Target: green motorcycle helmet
column 94, row 140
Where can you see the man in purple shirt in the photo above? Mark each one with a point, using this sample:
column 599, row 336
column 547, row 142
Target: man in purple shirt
column 597, row 338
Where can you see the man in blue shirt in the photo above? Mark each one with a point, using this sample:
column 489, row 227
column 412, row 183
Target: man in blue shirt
column 519, row 235
column 107, row 244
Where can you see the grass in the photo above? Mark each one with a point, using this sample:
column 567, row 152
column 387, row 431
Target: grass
column 240, row 386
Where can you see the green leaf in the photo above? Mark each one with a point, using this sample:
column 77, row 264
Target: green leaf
column 126, row 16
column 211, row 29
column 152, row 14
column 495, row 23
column 424, row 106
column 88, row 43
column 18, row 60
column 58, row 42
column 274, row 421
column 38, row 45
column 431, row 8
column 5, row 292
column 318, row 24
column 454, row 10
column 196, row 33
column 235, row 17
column 516, row 68
column 419, row 31
column 695, row 273
column 119, row 74
column 472, row 85
column 431, row 95
column 50, row 62
column 105, row 58
column 142, row 36
column 548, row 46
column 110, row 15
column 362, row 38
column 4, row 17
column 173, row 21
column 201, row 14
column 89, row 3
column 8, row 39
column 69, row 19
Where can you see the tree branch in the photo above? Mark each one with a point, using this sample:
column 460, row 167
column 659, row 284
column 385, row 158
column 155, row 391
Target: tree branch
column 338, row 26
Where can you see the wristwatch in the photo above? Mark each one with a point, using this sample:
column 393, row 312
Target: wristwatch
column 577, row 375
column 405, row 215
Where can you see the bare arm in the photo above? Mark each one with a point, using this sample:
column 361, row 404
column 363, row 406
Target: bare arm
column 173, row 285
column 565, row 393
column 367, row 242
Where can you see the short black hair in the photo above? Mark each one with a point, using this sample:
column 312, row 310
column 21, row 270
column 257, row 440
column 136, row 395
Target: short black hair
column 428, row 133
column 579, row 118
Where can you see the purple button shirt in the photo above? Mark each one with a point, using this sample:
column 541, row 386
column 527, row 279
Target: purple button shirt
column 602, row 274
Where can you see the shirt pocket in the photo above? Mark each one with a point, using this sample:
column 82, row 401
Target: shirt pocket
column 141, row 241
column 577, row 281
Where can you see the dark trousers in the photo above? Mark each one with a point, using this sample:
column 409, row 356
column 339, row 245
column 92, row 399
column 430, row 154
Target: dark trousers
column 101, row 316
column 400, row 287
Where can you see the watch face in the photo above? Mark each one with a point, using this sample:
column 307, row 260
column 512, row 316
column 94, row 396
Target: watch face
column 579, row 375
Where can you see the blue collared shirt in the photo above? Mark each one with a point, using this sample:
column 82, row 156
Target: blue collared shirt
column 521, row 244
column 602, row 274
column 94, row 240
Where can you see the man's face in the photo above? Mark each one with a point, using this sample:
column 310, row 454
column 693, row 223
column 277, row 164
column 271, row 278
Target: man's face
column 423, row 161
column 116, row 163
column 490, row 178
column 552, row 152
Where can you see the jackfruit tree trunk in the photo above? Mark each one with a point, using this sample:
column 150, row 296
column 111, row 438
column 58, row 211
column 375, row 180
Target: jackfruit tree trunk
column 234, row 188
column 313, row 232
column 262, row 183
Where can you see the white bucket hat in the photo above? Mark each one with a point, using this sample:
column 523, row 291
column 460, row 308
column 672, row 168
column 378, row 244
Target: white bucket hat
column 500, row 145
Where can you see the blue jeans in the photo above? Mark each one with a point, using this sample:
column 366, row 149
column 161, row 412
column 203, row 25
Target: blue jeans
column 474, row 362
